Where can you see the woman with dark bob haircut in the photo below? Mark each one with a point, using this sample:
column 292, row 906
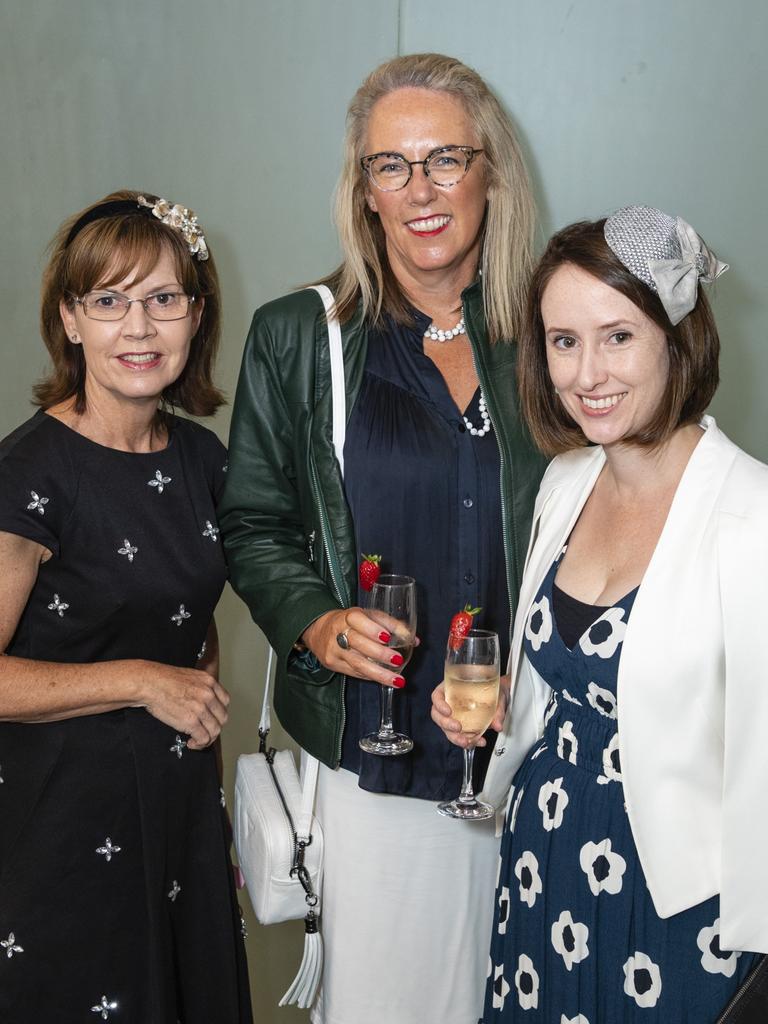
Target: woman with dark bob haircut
column 116, row 893
column 631, row 885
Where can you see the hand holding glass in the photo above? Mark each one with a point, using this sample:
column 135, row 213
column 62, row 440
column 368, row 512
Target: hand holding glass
column 392, row 605
column 472, row 691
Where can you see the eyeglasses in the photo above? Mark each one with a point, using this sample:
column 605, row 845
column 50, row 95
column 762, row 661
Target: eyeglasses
column 445, row 167
column 113, row 306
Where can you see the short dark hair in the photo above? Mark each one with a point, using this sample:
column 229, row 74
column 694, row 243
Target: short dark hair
column 694, row 346
column 102, row 253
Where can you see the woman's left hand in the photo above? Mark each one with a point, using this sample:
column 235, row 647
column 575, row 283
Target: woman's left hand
column 443, row 717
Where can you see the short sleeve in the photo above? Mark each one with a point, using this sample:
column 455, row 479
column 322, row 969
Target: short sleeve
column 213, row 455
column 34, row 485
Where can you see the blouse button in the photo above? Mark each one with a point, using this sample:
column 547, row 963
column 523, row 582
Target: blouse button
column 468, row 577
column 468, row 503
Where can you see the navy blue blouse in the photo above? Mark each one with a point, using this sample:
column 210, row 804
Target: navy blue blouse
column 424, row 494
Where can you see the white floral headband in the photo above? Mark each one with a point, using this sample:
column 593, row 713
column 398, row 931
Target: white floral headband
column 183, row 220
column 665, row 253
column 175, row 216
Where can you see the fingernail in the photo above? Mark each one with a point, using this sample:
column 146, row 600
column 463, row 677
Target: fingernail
column 397, row 659
column 398, row 681
column 384, row 636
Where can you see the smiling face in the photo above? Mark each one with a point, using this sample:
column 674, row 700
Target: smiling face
column 134, row 359
column 429, row 230
column 608, row 361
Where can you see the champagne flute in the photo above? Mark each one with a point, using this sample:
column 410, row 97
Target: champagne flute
column 392, row 605
column 472, row 690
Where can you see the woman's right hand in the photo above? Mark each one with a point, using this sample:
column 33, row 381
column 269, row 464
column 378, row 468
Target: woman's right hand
column 442, row 716
column 190, row 701
column 366, row 640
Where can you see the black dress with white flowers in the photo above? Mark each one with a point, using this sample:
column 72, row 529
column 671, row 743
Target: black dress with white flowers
column 117, row 900
column 576, row 939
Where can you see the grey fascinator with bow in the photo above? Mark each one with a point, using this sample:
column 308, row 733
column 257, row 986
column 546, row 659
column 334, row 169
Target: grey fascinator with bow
column 665, row 253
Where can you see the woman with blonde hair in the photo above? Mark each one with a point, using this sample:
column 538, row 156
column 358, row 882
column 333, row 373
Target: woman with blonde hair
column 435, row 216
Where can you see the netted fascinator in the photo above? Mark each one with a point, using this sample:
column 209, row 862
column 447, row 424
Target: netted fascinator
column 665, row 253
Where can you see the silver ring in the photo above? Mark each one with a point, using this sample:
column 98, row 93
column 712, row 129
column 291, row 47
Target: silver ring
column 343, row 640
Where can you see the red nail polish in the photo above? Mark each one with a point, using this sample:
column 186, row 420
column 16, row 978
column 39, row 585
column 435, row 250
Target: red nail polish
column 398, row 681
column 397, row 659
column 384, row 636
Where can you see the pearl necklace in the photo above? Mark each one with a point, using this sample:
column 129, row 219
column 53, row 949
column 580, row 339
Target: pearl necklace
column 479, row 431
column 436, row 334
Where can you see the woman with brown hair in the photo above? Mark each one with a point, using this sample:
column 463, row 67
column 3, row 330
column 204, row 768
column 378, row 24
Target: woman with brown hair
column 116, row 894
column 434, row 213
column 632, row 876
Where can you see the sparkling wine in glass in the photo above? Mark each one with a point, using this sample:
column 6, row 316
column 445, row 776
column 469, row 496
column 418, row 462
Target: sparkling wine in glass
column 472, row 690
column 392, row 605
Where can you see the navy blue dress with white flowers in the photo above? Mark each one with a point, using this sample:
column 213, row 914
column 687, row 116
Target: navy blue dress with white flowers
column 576, row 939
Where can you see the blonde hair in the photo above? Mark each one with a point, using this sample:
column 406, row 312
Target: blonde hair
column 365, row 274
column 102, row 253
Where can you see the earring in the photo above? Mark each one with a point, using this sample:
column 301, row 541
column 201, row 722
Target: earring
column 74, row 338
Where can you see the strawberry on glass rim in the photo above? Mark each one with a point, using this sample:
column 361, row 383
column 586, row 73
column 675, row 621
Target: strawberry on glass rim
column 461, row 623
column 370, row 570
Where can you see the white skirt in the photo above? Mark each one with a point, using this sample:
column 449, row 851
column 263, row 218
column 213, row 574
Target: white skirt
column 407, row 907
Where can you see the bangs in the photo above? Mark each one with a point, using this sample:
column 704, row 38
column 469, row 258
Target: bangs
column 108, row 251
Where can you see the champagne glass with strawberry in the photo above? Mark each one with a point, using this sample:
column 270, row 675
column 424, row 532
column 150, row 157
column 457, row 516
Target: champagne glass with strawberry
column 391, row 604
column 472, row 691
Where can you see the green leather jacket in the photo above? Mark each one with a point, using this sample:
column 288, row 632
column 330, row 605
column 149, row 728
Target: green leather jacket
column 284, row 519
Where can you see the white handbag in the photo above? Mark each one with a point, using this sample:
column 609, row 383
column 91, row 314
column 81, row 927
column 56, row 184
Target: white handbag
column 278, row 840
column 279, row 843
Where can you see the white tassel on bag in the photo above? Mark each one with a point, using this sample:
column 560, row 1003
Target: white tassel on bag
column 303, row 988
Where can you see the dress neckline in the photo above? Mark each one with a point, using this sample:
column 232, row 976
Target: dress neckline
column 172, row 425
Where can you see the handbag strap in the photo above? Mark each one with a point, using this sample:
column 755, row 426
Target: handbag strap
column 337, row 373
column 310, row 765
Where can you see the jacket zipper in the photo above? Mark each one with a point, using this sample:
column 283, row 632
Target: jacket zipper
column 335, row 575
column 741, row 992
column 504, row 517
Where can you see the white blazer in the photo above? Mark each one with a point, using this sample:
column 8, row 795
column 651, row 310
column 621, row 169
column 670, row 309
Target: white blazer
column 692, row 684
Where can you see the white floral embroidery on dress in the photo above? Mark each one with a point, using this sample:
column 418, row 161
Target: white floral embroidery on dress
column 642, row 980
column 527, row 983
column 211, row 530
column 37, row 504
column 603, row 867
column 159, row 481
column 567, row 743
column 569, row 938
column 222, row 797
column 174, row 892
column 11, row 946
column 128, row 549
column 105, row 1007
column 202, row 650
column 527, row 871
column 180, row 615
column 503, row 902
column 602, row 700
column 715, row 960
column 2, row 780
column 605, row 634
column 500, row 988
column 538, row 628
column 611, row 762
column 553, row 800
column 57, row 605
column 178, row 746
column 108, row 850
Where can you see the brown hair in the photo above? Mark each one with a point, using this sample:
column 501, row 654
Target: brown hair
column 365, row 275
column 694, row 346
column 102, row 253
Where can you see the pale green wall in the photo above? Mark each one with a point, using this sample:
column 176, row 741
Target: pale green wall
column 219, row 105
